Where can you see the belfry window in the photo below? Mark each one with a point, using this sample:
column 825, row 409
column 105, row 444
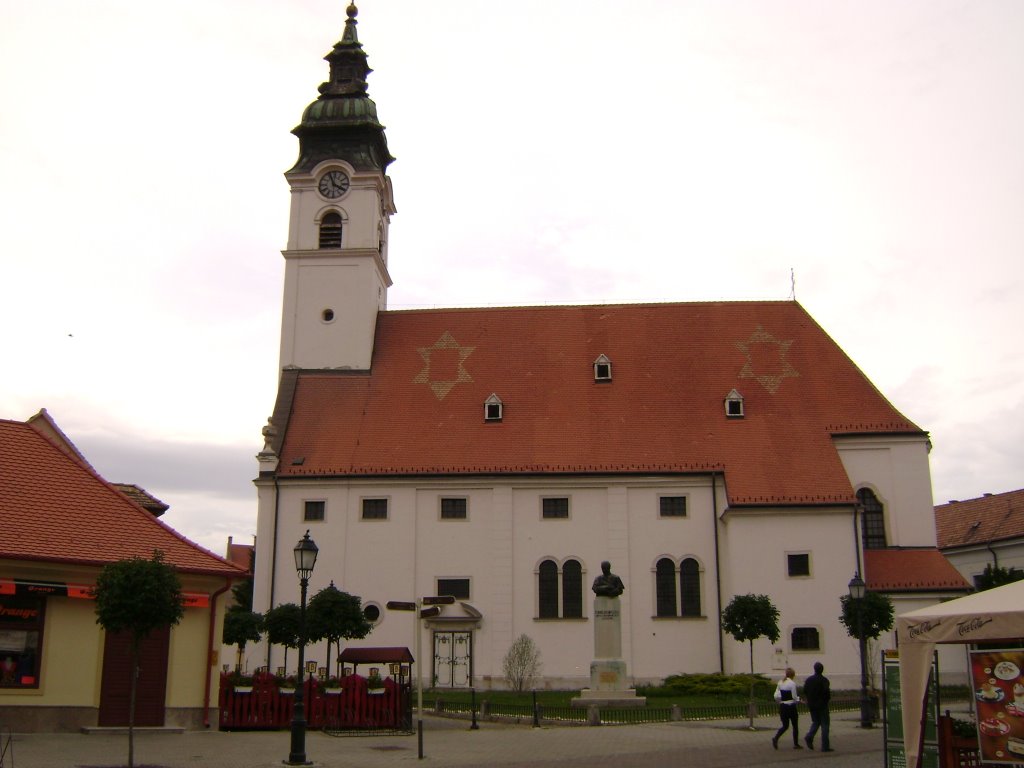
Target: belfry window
column 330, row 230
column 872, row 519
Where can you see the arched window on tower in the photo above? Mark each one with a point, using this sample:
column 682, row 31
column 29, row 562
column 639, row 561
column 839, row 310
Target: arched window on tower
column 330, row 230
column 872, row 520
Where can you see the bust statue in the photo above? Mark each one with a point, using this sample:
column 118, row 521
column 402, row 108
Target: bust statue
column 608, row 584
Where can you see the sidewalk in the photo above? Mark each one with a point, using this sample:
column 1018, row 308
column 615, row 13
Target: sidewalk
column 719, row 744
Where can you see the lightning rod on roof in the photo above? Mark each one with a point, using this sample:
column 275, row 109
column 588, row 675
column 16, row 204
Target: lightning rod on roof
column 792, row 284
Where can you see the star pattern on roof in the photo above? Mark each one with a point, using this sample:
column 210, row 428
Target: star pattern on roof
column 433, row 374
column 766, row 359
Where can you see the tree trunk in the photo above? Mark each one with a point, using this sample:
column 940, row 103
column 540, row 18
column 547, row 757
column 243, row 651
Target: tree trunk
column 750, row 704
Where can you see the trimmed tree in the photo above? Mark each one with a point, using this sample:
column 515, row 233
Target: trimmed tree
column 333, row 615
column 282, row 627
column 876, row 614
column 747, row 618
column 241, row 626
column 137, row 596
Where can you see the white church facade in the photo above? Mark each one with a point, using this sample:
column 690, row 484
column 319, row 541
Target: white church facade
column 499, row 455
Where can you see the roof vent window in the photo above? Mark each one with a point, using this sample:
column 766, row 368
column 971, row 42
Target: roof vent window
column 603, row 369
column 734, row 405
column 493, row 408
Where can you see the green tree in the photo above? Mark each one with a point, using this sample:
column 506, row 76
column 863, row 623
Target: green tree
column 282, row 627
column 137, row 596
column 876, row 613
column 747, row 618
column 241, row 626
column 997, row 576
column 333, row 615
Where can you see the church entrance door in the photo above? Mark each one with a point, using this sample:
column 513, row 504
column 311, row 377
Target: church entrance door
column 453, row 659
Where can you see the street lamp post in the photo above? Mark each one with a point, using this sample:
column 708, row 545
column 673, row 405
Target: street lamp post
column 858, row 589
column 305, row 558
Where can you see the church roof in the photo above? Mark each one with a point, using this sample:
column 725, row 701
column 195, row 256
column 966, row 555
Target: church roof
column 974, row 522
column 420, row 409
column 55, row 507
column 911, row 570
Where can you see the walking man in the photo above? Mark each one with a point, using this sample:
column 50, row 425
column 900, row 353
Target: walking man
column 788, row 697
column 817, row 692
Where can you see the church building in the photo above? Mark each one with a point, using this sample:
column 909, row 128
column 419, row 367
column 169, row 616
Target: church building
column 499, row 455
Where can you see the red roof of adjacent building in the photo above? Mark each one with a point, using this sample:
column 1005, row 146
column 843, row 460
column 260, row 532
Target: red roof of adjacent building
column 55, row 507
column 993, row 517
column 241, row 554
column 910, row 570
column 420, row 410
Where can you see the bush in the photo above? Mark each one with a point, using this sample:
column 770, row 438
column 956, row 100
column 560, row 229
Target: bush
column 711, row 684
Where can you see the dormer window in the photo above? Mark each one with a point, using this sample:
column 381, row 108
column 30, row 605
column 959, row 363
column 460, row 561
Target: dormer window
column 734, row 405
column 330, row 230
column 603, row 369
column 492, row 408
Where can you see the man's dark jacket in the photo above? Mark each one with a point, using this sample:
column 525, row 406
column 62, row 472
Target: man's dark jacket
column 816, row 691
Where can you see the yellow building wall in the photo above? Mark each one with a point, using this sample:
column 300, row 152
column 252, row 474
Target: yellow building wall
column 72, row 660
column 72, row 649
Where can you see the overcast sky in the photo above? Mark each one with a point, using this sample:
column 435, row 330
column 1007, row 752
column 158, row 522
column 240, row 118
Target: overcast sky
column 549, row 151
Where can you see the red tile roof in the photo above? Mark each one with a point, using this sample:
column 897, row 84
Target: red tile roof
column 993, row 517
column 143, row 498
column 420, row 409
column 55, row 507
column 911, row 570
column 241, row 554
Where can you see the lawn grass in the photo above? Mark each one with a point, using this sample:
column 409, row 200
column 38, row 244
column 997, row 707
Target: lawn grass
column 657, row 696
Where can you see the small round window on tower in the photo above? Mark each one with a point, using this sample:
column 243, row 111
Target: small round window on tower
column 327, row 315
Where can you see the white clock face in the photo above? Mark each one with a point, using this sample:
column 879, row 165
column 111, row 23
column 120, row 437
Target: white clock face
column 333, row 184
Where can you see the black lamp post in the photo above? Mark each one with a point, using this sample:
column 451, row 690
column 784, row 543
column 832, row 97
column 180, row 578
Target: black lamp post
column 858, row 589
column 305, row 558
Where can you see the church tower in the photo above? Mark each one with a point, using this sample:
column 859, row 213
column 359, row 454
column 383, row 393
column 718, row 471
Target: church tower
column 336, row 273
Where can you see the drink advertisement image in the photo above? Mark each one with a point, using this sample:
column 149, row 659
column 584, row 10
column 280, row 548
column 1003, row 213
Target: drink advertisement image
column 999, row 694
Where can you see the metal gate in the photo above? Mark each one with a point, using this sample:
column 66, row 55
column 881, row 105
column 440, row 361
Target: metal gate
column 453, row 659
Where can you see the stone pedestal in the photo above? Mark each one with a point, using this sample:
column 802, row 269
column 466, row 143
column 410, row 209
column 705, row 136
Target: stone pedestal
column 608, row 669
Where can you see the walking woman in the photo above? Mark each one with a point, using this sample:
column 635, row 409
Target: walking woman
column 788, row 697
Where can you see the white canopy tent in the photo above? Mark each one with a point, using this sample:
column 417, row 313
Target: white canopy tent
column 990, row 616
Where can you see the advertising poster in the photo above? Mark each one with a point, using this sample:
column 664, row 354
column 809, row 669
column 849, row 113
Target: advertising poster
column 999, row 693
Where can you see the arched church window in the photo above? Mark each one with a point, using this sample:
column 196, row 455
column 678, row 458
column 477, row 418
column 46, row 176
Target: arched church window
column 330, row 230
column 572, row 590
column 560, row 590
column 665, row 587
column 547, row 590
column 872, row 520
column 689, row 587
